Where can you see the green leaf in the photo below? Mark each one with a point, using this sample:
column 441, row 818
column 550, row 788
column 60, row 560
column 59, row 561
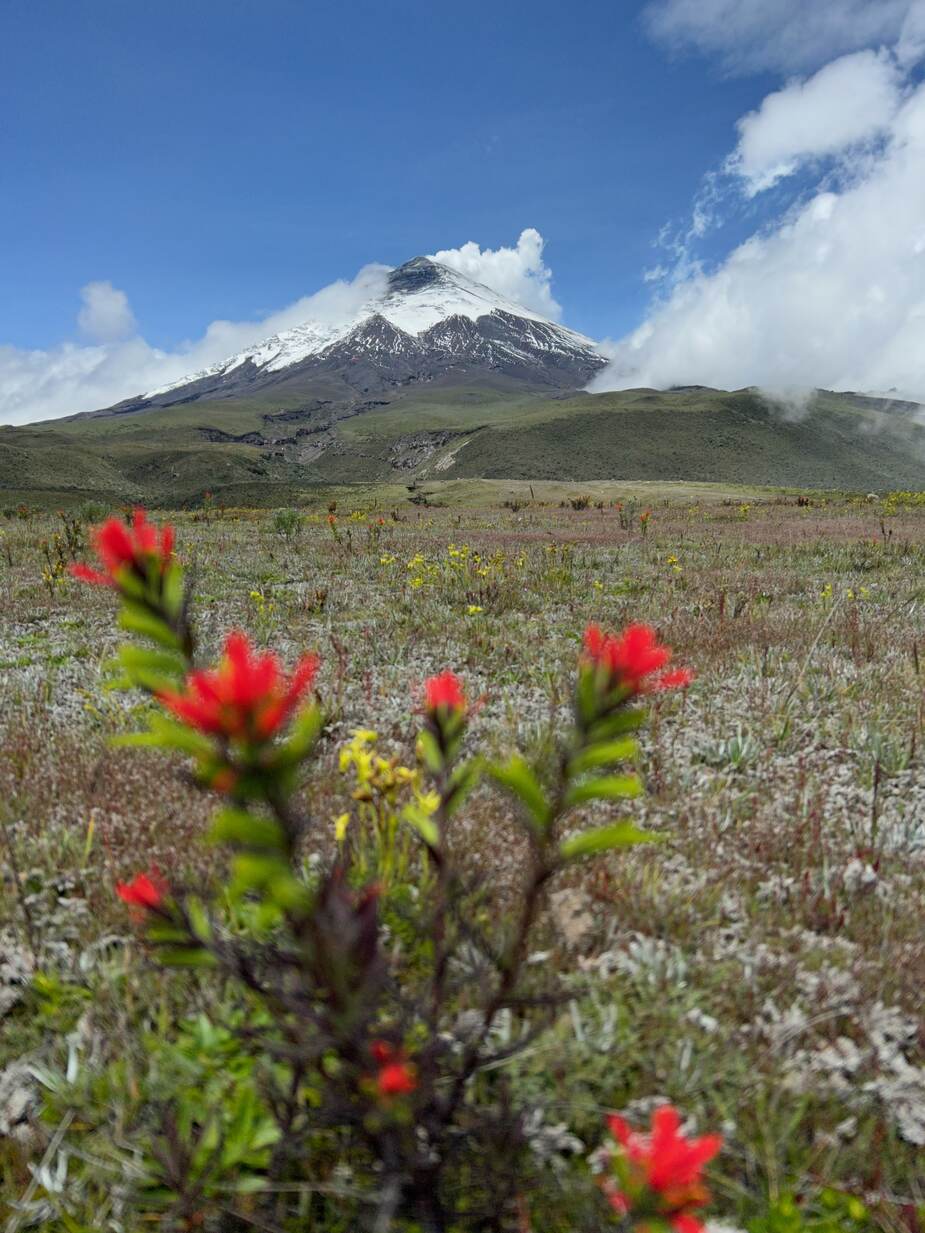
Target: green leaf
column 129, row 584
column 604, row 839
column 605, row 788
column 605, row 753
column 586, row 694
column 152, row 670
column 251, row 1183
column 518, row 777
column 464, row 778
column 173, row 589
column 140, row 620
column 306, row 728
column 270, row 876
column 186, row 957
column 617, row 724
column 429, row 751
column 423, row 823
column 166, row 733
column 199, row 919
column 254, row 872
column 160, row 931
column 246, row 830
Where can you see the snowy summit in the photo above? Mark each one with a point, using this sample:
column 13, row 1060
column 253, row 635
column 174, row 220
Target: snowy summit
column 426, row 308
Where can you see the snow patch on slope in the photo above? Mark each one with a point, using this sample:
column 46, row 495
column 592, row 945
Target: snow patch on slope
column 421, row 294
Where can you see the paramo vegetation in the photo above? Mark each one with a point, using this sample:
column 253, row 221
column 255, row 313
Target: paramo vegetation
column 418, row 976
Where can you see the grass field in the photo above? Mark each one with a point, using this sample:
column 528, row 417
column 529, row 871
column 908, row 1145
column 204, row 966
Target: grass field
column 281, row 447
column 762, row 968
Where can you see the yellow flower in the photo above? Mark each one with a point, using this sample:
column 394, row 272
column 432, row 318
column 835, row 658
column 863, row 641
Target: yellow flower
column 474, row 609
column 340, row 827
column 428, row 801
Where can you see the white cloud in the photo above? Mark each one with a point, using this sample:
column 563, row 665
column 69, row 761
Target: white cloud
column 785, row 35
column 832, row 295
column 105, row 316
column 62, row 380
column 518, row 273
column 849, row 101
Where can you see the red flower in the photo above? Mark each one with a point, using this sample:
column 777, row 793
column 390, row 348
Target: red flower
column 247, row 697
column 396, row 1079
column 144, row 892
column 662, row 1166
column 119, row 548
column 445, row 690
column 397, row 1076
column 634, row 659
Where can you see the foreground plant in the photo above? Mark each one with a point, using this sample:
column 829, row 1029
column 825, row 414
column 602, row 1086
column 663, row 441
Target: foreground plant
column 369, row 992
column 655, row 1178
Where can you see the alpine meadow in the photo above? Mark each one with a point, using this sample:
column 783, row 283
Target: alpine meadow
column 462, row 753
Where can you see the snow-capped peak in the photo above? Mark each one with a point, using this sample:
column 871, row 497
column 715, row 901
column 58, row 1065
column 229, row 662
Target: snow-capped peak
column 418, row 295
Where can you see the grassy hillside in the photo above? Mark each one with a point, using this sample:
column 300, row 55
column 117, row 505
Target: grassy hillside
column 267, row 452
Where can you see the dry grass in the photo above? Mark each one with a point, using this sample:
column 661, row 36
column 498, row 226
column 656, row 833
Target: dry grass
column 763, row 967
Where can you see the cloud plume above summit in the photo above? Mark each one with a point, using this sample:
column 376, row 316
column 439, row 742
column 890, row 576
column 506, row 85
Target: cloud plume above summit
column 519, row 273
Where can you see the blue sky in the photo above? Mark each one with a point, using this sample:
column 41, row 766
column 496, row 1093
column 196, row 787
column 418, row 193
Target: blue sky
column 221, row 159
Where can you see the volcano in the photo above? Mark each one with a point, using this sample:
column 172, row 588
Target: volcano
column 431, row 323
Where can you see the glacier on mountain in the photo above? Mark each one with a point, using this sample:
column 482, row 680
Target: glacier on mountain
column 419, row 295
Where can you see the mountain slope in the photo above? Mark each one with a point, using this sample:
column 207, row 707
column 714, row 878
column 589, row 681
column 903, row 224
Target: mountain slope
column 430, row 323
column 171, row 456
column 438, row 377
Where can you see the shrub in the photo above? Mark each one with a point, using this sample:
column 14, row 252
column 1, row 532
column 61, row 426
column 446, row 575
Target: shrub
column 354, row 1058
column 286, row 522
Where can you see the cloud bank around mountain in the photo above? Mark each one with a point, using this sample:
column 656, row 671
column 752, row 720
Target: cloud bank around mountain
column 116, row 362
column 830, row 291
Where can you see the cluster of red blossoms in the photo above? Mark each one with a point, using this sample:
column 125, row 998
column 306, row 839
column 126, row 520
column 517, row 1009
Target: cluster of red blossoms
column 659, row 1174
column 444, row 692
column 247, row 697
column 145, row 892
column 120, row 548
column 396, row 1075
column 633, row 660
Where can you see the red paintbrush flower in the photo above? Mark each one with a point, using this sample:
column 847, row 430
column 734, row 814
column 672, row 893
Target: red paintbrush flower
column 660, row 1173
column 445, row 690
column 247, row 697
column 633, row 659
column 139, row 549
column 144, row 892
column 396, row 1076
